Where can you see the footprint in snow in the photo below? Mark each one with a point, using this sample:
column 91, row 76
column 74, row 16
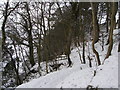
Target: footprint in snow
column 75, row 85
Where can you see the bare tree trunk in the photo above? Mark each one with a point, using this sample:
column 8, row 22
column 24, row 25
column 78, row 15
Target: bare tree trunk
column 95, row 22
column 26, row 67
column 84, row 52
column 114, row 11
column 67, row 49
column 102, row 41
column 30, row 39
column 107, row 19
column 4, row 23
column 69, row 60
column 90, row 64
column 16, row 70
column 45, row 40
column 95, row 31
column 6, row 14
column 39, row 50
column 69, row 40
column 81, row 22
column 39, row 27
column 119, row 46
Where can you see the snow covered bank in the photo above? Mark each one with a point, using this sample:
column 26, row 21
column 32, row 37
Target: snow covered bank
column 80, row 75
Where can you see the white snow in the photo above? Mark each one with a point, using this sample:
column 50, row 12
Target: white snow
column 81, row 75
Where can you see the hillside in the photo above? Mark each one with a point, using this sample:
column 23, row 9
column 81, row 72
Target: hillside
column 81, row 75
column 59, row 44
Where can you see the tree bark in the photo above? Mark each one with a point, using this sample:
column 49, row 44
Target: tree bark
column 68, row 44
column 114, row 11
column 84, row 52
column 95, row 31
column 45, row 40
column 19, row 81
column 95, row 22
column 6, row 14
column 30, row 39
column 39, row 24
column 107, row 19
column 69, row 60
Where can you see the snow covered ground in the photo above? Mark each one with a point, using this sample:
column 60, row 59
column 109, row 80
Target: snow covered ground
column 81, row 75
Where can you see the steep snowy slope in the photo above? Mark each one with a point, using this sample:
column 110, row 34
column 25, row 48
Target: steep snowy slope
column 81, row 75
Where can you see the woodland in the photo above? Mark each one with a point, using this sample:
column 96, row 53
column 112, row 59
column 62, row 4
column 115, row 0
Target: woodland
column 43, row 34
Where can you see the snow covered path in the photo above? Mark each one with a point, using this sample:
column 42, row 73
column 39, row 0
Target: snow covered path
column 80, row 76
